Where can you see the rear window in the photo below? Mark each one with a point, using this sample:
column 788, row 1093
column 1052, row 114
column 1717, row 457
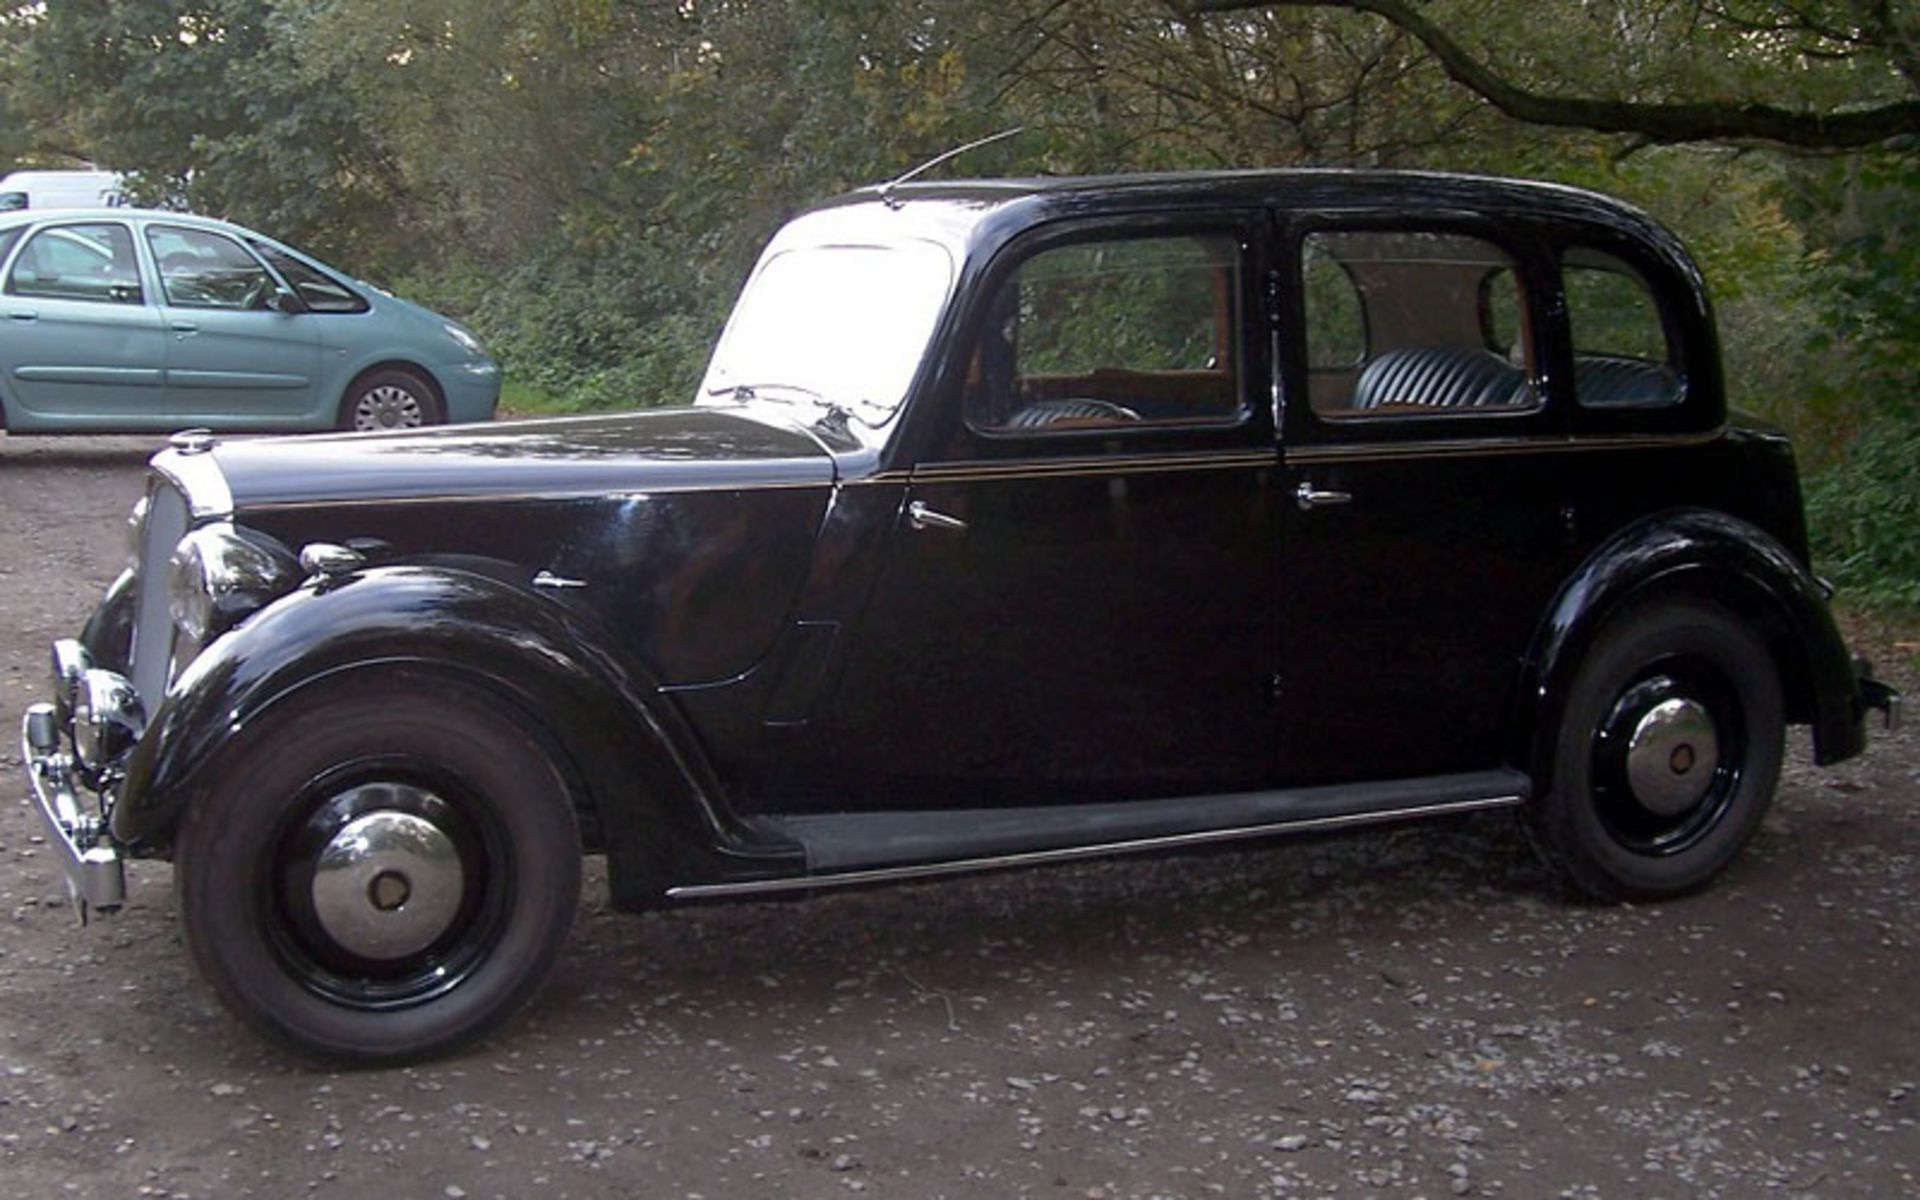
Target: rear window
column 1622, row 357
column 82, row 261
column 1414, row 323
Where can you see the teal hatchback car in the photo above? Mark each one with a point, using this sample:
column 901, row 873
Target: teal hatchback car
column 122, row 320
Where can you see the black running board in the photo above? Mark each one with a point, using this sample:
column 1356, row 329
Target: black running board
column 845, row 849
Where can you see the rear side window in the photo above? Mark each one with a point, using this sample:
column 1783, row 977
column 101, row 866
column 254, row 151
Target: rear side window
column 7, row 238
column 88, row 261
column 1412, row 323
column 1111, row 334
column 321, row 291
column 1621, row 354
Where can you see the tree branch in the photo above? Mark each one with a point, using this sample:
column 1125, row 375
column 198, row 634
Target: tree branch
column 1655, row 122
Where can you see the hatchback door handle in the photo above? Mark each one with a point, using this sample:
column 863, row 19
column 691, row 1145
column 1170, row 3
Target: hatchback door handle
column 921, row 517
column 185, row 327
column 23, row 316
column 1306, row 497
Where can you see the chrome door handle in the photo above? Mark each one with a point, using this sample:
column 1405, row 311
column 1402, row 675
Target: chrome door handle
column 921, row 517
column 1306, row 497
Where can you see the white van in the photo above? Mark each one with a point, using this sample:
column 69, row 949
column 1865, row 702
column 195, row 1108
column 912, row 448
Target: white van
column 60, row 189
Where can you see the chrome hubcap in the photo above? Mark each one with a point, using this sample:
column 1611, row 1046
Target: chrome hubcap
column 388, row 884
column 387, row 407
column 1673, row 755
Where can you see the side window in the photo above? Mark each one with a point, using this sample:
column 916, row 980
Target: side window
column 91, row 261
column 7, row 238
column 1405, row 323
column 321, row 292
column 1112, row 333
column 1621, row 358
column 203, row 269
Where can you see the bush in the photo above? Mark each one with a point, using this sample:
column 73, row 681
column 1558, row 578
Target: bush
column 615, row 328
column 1864, row 514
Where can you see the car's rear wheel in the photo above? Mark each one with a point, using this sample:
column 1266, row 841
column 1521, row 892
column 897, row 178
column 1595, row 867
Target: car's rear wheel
column 379, row 873
column 390, row 398
column 1667, row 757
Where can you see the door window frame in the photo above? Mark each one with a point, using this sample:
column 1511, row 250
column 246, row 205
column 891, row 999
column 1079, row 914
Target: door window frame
column 956, row 439
column 1536, row 272
column 138, row 296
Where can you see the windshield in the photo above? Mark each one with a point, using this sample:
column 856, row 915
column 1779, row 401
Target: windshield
column 843, row 326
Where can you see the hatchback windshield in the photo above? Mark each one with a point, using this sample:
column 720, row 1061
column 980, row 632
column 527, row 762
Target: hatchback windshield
column 841, row 325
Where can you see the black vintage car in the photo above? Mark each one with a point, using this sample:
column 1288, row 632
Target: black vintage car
column 1016, row 522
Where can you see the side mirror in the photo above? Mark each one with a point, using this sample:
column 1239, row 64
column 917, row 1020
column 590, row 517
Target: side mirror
column 286, row 303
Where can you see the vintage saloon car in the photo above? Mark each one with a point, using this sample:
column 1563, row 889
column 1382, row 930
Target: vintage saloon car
column 1016, row 521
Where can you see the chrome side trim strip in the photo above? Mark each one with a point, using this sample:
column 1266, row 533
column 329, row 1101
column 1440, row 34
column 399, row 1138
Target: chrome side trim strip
column 554, row 497
column 761, row 887
column 1468, row 448
column 967, row 472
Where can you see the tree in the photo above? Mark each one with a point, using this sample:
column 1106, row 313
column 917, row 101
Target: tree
column 206, row 103
column 1851, row 67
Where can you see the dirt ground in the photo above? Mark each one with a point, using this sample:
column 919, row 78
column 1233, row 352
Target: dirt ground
column 1408, row 1012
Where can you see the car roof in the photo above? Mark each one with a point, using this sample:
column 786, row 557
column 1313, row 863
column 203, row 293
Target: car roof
column 976, row 213
column 29, row 216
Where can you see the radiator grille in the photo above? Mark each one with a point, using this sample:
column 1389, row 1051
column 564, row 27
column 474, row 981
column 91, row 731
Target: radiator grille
column 152, row 624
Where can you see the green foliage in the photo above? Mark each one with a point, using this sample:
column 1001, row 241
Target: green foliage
column 1864, row 511
column 590, row 332
column 588, row 181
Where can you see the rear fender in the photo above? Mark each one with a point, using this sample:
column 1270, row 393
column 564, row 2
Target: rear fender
column 646, row 789
column 1709, row 556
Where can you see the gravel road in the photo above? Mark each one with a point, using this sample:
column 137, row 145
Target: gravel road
column 1409, row 1012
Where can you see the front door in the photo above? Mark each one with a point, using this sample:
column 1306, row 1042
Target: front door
column 1077, row 599
column 231, row 360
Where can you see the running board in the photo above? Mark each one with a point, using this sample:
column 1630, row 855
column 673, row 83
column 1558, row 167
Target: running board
column 848, row 849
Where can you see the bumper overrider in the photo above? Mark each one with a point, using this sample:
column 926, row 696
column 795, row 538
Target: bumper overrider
column 74, row 745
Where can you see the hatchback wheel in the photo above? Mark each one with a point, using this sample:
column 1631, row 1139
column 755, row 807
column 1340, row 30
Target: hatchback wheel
column 389, row 399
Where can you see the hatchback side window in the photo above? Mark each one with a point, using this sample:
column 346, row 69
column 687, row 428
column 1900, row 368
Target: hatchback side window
column 1112, row 333
column 7, row 238
column 321, row 291
column 1621, row 356
column 1406, row 323
column 202, row 269
column 78, row 262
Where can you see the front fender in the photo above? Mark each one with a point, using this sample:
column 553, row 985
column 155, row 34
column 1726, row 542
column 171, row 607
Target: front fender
column 655, row 802
column 1712, row 556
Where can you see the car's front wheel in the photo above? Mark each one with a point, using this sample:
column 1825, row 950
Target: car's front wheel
column 379, row 872
column 1667, row 757
column 389, row 398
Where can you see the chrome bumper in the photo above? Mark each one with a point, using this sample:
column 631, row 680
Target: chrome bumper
column 96, row 874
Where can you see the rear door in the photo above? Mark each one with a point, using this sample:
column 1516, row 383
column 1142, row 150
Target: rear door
column 1425, row 471
column 81, row 346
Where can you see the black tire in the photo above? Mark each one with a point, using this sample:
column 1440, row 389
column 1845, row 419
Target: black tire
column 390, row 398
column 1667, row 754
column 380, row 871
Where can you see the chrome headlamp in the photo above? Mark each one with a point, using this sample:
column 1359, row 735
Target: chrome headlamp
column 108, row 719
column 220, row 575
